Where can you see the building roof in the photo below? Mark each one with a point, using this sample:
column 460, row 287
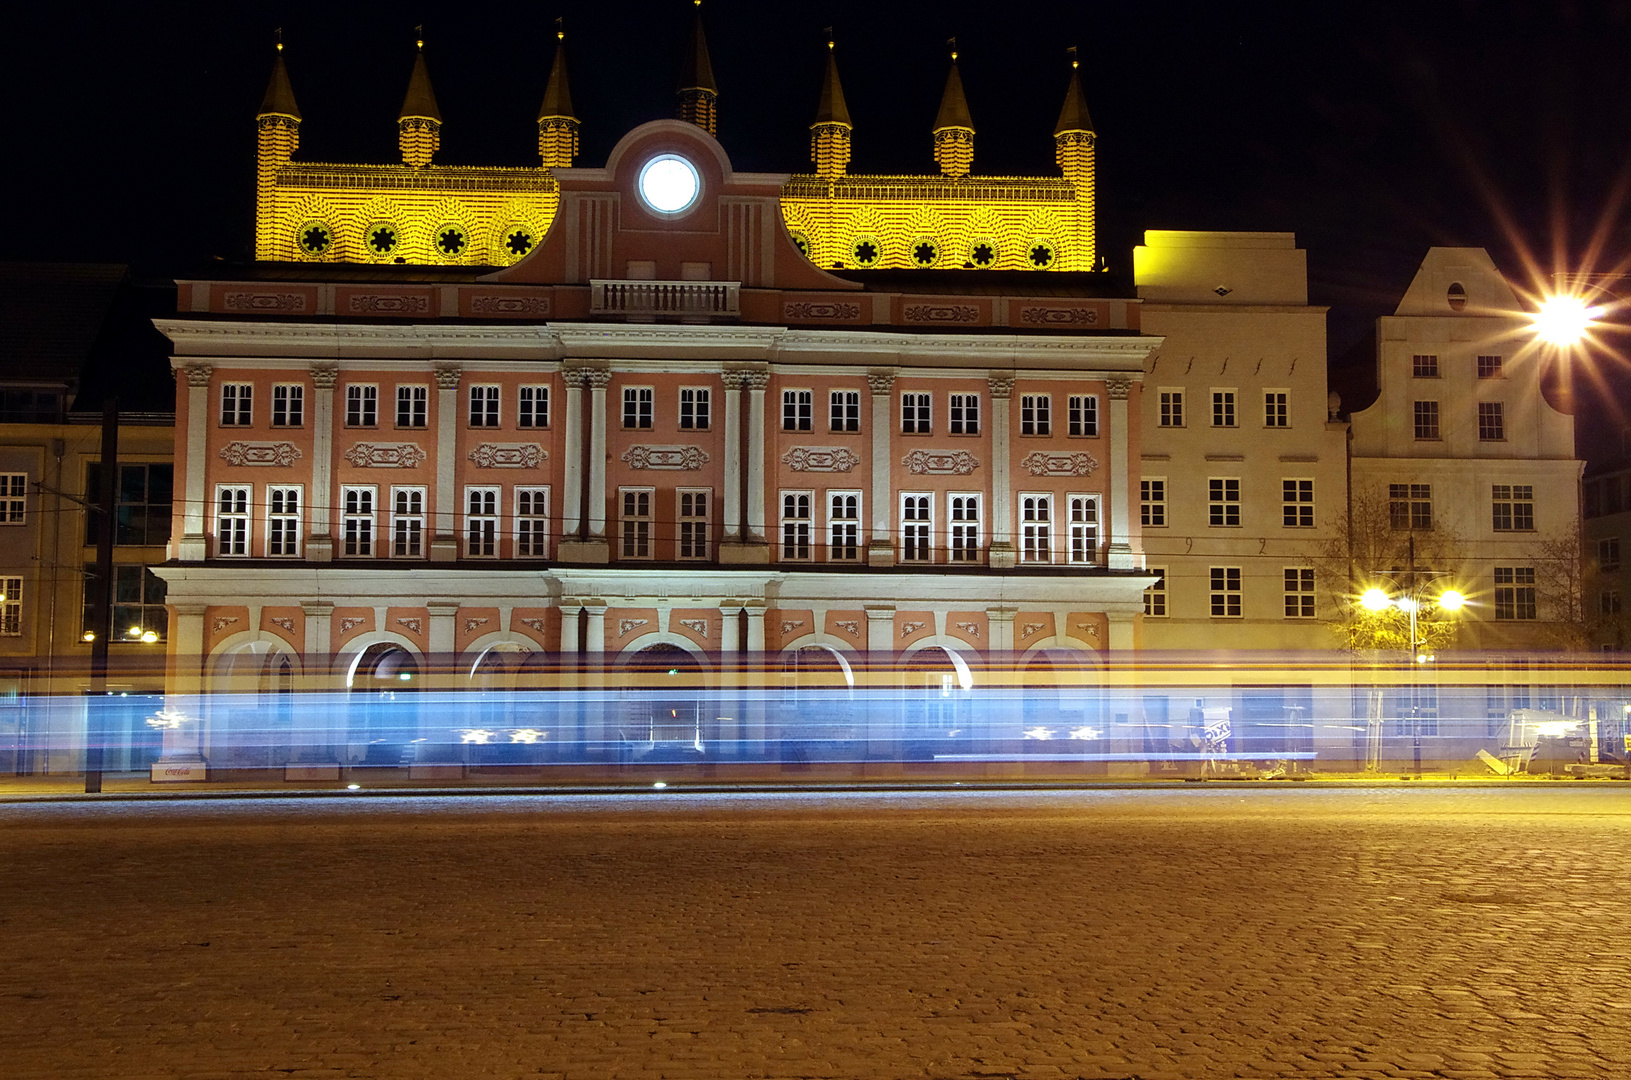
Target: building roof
column 696, row 69
column 1073, row 116
column 953, row 105
column 51, row 315
column 831, row 109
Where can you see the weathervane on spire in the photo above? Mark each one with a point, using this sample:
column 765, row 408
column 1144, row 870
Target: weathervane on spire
column 560, row 34
column 1074, row 63
column 952, row 42
column 829, row 39
column 277, row 37
column 419, row 36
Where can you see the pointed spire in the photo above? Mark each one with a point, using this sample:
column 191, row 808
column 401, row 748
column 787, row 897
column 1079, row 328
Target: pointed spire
column 1074, row 116
column 557, row 126
column 829, row 135
column 699, row 96
column 279, row 99
column 831, row 109
column 419, row 123
column 953, row 127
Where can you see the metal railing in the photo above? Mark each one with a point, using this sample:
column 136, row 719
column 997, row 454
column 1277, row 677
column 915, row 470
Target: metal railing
column 696, row 299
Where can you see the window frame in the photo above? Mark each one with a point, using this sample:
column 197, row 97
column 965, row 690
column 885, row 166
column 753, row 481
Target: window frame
column 1222, row 511
column 1298, row 593
column 844, row 411
column 916, row 544
column 1226, row 592
column 240, row 516
column 700, row 540
column 1417, row 503
column 288, row 405
column 413, row 401
column 965, row 535
column 851, row 548
column 534, row 537
column 1296, row 511
column 1082, row 416
column 409, row 537
column 1515, row 505
column 798, row 409
column 1155, row 595
column 241, row 412
column 636, row 543
column 1170, row 405
column 1425, row 366
column 361, row 410
column 1037, row 529
column 280, row 520
column 14, row 498
column 639, row 408
column 1079, row 529
column 1491, row 421
column 1276, row 408
column 359, row 529
column 963, row 413
column 485, row 411
column 1036, row 416
column 1426, row 424
column 11, row 606
column 532, row 406
column 1515, row 597
column 489, row 517
column 795, row 529
column 696, row 408
column 1152, row 502
column 916, row 413
column 1487, row 370
column 1225, row 407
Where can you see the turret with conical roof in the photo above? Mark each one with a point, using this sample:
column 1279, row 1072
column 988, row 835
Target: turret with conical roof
column 557, row 126
column 277, row 137
column 699, row 97
column 1074, row 149
column 953, row 127
column 829, row 135
column 419, row 124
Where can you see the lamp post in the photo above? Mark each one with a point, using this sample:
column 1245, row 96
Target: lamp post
column 1409, row 599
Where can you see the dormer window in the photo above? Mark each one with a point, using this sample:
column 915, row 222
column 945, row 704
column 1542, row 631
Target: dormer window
column 1456, row 296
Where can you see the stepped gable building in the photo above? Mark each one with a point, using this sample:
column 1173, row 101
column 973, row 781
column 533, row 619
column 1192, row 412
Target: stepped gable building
column 662, row 429
column 421, row 213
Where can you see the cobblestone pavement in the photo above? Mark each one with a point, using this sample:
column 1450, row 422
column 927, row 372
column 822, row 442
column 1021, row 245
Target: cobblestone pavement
column 1187, row 934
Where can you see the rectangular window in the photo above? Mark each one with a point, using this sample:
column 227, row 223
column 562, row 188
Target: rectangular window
column 532, row 407
column 1489, row 367
column 797, row 409
column 235, row 400
column 11, row 607
column 844, row 410
column 1155, row 597
column 1427, row 420
column 288, row 405
column 1410, row 506
column 484, row 406
column 637, row 403
column 1276, row 408
column 283, row 521
column 1608, row 602
column 362, row 405
column 1424, row 366
column 696, row 408
column 1513, row 506
column 964, row 533
column 1036, row 528
column 14, row 497
column 138, row 603
column 843, row 526
column 531, row 522
column 481, row 522
column 1608, row 553
column 965, row 414
column 408, row 522
column 1152, row 502
column 1223, row 408
column 635, row 524
column 1299, row 592
column 1515, row 592
column 1172, row 408
column 1225, row 581
column 1035, row 414
column 1491, row 422
column 412, row 404
column 914, row 414
column 231, row 521
column 694, row 523
column 1223, row 501
column 796, row 524
column 915, row 527
column 1084, row 415
column 357, row 521
column 1297, row 504
column 1084, row 529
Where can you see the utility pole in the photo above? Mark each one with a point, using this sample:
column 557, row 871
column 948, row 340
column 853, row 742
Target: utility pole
column 102, row 596
column 1415, row 651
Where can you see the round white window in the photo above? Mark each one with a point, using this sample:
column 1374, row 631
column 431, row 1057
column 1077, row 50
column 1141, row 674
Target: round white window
column 669, row 184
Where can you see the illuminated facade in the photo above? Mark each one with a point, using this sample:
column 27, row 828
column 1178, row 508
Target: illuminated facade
column 418, row 212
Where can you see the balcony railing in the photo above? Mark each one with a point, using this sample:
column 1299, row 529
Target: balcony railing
column 649, row 300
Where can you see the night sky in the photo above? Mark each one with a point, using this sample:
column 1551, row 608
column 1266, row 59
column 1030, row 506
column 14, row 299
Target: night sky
column 1370, row 130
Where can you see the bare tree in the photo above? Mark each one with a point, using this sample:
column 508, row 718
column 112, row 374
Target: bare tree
column 1386, row 543
column 1563, row 575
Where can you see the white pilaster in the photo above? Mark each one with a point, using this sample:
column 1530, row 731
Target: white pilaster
column 314, row 658
column 1000, row 629
column 1119, row 478
column 598, row 381
column 572, row 467
column 756, row 626
column 443, row 614
column 1002, row 555
column 881, row 550
column 1121, row 631
column 880, row 628
column 569, row 608
column 754, row 382
column 596, row 637
column 730, row 626
column 186, row 694
column 733, row 458
column 444, row 544
column 320, row 495
column 195, row 541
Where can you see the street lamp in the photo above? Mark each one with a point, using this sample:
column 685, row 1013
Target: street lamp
column 1564, row 319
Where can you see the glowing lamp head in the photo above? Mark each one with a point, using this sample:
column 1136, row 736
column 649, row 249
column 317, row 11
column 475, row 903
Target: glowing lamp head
column 1564, row 320
column 149, row 636
column 669, row 184
column 1375, row 599
column 89, row 635
column 1452, row 600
